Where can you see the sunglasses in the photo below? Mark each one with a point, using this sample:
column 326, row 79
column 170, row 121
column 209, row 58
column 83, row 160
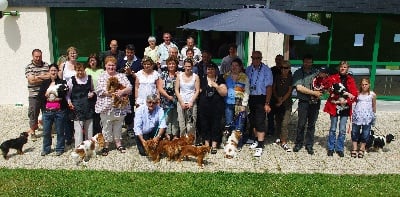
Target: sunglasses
column 256, row 58
column 285, row 67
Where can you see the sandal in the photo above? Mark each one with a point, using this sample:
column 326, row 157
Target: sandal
column 213, row 150
column 353, row 153
column 104, row 151
column 361, row 154
column 121, row 149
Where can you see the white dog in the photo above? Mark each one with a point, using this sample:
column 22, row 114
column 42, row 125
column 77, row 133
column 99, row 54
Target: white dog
column 231, row 145
column 87, row 149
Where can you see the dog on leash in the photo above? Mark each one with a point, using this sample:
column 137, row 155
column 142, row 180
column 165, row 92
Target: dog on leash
column 196, row 151
column 87, row 149
column 231, row 145
column 377, row 142
column 16, row 143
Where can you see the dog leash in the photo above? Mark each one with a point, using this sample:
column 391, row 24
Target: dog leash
column 158, row 127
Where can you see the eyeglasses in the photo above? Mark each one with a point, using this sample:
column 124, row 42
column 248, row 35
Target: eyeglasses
column 285, row 67
column 151, row 102
column 256, row 58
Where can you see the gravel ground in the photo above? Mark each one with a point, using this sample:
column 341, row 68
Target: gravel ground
column 274, row 160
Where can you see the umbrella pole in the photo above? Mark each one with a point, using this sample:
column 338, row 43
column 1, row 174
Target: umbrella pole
column 254, row 41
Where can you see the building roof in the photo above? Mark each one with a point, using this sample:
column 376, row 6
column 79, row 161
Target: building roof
column 355, row 6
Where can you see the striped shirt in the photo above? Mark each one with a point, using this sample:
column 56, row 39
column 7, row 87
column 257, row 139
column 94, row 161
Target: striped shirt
column 36, row 70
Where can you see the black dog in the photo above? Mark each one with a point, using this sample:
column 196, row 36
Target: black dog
column 16, row 143
column 377, row 142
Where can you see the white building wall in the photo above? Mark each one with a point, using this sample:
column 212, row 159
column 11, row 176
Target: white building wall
column 270, row 45
column 19, row 35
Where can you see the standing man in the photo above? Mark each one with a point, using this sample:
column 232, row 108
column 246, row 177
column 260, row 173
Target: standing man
column 227, row 60
column 276, row 71
column 129, row 65
column 35, row 73
column 260, row 79
column 190, row 45
column 201, row 68
column 163, row 48
column 308, row 108
column 112, row 52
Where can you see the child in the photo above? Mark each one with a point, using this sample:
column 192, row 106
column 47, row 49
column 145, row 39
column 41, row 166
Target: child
column 363, row 116
column 319, row 83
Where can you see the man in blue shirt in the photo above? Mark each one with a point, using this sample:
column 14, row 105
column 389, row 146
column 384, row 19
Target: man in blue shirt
column 149, row 122
column 260, row 79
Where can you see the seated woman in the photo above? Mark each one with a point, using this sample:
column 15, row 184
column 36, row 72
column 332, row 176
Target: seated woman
column 149, row 122
column 54, row 111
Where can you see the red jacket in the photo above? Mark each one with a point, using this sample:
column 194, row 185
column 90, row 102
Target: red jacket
column 351, row 87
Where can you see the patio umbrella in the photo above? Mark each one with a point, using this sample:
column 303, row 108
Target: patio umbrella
column 257, row 20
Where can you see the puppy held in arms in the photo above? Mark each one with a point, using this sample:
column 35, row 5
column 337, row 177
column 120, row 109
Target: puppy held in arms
column 88, row 148
column 112, row 86
column 56, row 91
column 231, row 146
column 377, row 142
column 16, row 143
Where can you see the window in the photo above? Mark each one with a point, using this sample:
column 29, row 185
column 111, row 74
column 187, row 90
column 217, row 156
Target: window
column 76, row 27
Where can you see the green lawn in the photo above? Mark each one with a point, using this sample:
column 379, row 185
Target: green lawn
column 22, row 182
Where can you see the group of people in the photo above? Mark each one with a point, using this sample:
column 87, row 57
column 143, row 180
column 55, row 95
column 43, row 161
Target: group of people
column 174, row 94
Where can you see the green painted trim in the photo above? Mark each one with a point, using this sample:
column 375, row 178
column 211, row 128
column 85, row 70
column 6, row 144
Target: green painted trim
column 375, row 52
column 102, row 32
column 246, row 49
column 352, row 63
column 54, row 35
column 388, row 98
column 330, row 44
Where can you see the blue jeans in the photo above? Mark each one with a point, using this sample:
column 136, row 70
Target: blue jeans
column 362, row 137
column 58, row 118
column 333, row 142
column 307, row 113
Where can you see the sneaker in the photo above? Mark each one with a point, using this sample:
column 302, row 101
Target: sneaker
column 33, row 137
column 310, row 150
column 278, row 141
column 330, row 153
column 43, row 154
column 254, row 145
column 297, row 148
column 286, row 148
column 59, row 153
column 258, row 152
column 340, row 153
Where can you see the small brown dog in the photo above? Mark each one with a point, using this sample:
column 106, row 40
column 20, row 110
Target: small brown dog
column 197, row 151
column 112, row 86
column 154, row 149
column 16, row 143
column 173, row 148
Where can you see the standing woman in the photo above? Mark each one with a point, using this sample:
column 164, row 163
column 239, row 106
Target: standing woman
column 151, row 50
column 81, row 102
column 211, row 106
column 237, row 97
column 282, row 99
column 94, row 69
column 111, row 117
column 187, row 90
column 66, row 71
column 53, row 112
column 334, row 103
column 363, row 118
column 145, row 82
column 166, row 87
